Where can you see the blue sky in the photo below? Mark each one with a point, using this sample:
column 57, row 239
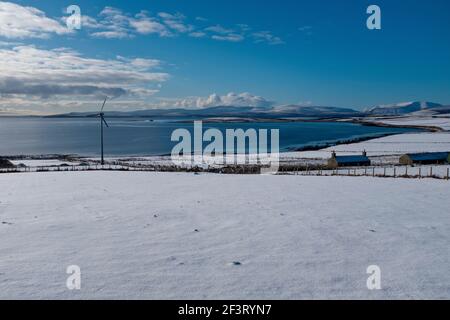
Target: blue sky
column 276, row 52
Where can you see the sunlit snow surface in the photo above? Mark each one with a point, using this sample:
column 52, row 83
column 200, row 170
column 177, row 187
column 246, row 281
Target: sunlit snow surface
column 176, row 236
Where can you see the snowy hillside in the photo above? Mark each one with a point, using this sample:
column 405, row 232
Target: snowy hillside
column 443, row 111
column 313, row 111
column 442, row 122
column 402, row 108
column 185, row 236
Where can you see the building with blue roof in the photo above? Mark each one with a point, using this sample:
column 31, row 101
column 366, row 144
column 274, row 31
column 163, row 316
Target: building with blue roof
column 425, row 158
column 348, row 161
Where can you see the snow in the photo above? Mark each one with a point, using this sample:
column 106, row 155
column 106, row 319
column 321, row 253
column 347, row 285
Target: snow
column 134, row 236
column 44, row 163
column 405, row 108
column 421, row 171
column 391, row 145
column 440, row 122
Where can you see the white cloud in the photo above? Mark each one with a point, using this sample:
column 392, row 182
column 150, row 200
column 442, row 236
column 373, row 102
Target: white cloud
column 111, row 34
column 141, row 63
column 21, row 22
column 146, row 25
column 219, row 29
column 197, row 34
column 50, row 77
column 114, row 23
column 267, row 37
column 232, row 37
column 64, row 65
column 225, row 34
column 231, row 99
column 87, row 22
column 18, row 21
column 176, row 22
column 240, row 33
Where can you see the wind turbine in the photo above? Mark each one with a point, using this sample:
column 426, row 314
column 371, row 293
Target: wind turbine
column 102, row 121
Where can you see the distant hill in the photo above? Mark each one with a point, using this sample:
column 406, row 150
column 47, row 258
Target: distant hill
column 286, row 111
column 313, row 111
column 403, row 108
column 229, row 111
column 434, row 111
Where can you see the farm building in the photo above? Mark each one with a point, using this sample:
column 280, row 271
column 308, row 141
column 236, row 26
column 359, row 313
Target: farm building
column 425, row 158
column 4, row 163
column 348, row 161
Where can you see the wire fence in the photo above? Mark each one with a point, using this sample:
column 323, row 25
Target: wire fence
column 74, row 168
column 410, row 172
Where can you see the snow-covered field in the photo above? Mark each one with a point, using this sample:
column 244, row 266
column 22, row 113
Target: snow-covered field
column 186, row 236
column 442, row 121
column 391, row 145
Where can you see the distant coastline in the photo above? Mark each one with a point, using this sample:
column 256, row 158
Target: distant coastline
column 388, row 125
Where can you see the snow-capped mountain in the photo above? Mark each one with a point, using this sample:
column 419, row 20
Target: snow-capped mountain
column 402, row 108
column 312, row 111
column 444, row 110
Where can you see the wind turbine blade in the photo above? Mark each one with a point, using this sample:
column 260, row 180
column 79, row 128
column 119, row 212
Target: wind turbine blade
column 106, row 123
column 104, row 102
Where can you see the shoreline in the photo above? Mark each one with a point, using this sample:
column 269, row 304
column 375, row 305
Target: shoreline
column 341, row 142
column 387, row 125
column 363, row 139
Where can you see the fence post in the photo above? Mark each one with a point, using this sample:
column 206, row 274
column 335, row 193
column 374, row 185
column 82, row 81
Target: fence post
column 431, row 171
column 384, row 173
column 420, row 172
column 406, row 171
column 395, row 172
column 373, row 172
column 448, row 173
